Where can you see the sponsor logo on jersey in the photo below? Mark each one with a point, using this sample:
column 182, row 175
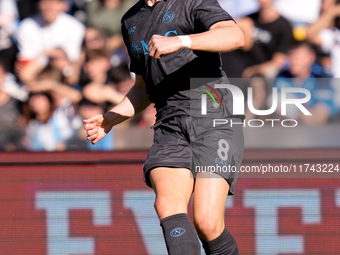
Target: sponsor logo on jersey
column 168, row 17
column 136, row 51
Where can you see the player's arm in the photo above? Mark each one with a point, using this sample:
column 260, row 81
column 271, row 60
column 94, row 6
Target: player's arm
column 222, row 36
column 134, row 102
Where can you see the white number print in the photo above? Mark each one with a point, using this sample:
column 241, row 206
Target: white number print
column 223, row 148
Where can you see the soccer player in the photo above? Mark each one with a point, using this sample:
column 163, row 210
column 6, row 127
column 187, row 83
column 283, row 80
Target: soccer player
column 169, row 42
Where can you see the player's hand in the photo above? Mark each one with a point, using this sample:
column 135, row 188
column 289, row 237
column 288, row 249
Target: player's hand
column 161, row 45
column 96, row 128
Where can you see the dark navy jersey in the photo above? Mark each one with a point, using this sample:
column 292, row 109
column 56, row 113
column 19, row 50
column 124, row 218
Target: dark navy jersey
column 167, row 77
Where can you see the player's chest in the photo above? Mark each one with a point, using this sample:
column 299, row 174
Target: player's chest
column 162, row 20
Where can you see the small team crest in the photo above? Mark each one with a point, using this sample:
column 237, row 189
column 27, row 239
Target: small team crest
column 176, row 232
column 168, row 17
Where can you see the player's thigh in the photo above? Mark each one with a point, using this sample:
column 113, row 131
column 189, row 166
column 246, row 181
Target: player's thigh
column 210, row 196
column 218, row 151
column 173, row 188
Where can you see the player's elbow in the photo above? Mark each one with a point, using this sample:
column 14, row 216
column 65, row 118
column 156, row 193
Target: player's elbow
column 239, row 39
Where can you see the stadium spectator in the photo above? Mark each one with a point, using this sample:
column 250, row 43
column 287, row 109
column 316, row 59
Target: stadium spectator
column 9, row 85
column 52, row 79
column 94, row 39
column 11, row 132
column 326, row 33
column 97, row 65
column 148, row 118
column 300, row 74
column 50, row 110
column 8, row 15
column 99, row 90
column 8, row 19
column 327, row 5
column 52, row 28
column 268, row 36
column 260, row 92
column 121, row 78
column 77, row 8
column 27, row 8
column 106, row 15
column 58, row 58
column 45, row 129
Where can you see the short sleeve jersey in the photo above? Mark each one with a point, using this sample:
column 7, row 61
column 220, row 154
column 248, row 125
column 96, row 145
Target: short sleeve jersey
column 270, row 38
column 171, row 18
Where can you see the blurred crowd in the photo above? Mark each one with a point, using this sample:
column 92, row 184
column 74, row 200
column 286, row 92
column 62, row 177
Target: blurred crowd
column 64, row 60
column 289, row 44
column 61, row 61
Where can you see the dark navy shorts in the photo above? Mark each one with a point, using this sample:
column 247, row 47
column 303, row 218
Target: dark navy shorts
column 193, row 142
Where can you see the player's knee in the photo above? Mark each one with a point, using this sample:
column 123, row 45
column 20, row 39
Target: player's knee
column 208, row 227
column 167, row 206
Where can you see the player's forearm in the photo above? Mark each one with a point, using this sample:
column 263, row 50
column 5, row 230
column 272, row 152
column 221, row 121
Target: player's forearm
column 221, row 37
column 119, row 113
column 137, row 96
column 134, row 102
